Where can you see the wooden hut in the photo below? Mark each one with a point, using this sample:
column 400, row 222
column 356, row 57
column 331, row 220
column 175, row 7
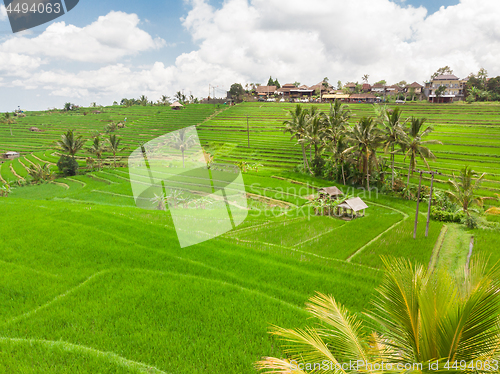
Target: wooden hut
column 353, row 205
column 11, row 155
column 332, row 193
column 176, row 105
column 34, row 129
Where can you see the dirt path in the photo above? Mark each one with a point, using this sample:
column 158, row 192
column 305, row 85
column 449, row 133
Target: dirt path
column 455, row 250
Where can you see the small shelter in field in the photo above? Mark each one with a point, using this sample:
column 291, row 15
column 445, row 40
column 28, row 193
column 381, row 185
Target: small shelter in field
column 34, row 129
column 332, row 193
column 11, row 155
column 176, row 105
column 353, row 205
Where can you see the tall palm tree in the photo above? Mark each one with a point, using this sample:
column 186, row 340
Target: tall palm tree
column 415, row 145
column 365, row 138
column 182, row 140
column 8, row 120
column 143, row 100
column 314, row 131
column 114, row 146
column 337, row 151
column 336, row 121
column 296, row 126
column 464, row 188
column 70, row 143
column 421, row 317
column 393, row 134
column 98, row 148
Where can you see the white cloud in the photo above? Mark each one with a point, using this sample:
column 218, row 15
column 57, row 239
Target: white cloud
column 3, row 13
column 246, row 41
column 308, row 40
column 106, row 40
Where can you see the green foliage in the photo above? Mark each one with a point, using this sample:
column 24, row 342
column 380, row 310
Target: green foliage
column 236, row 91
column 441, row 215
column 421, row 316
column 70, row 143
column 40, row 173
column 442, row 71
column 67, row 165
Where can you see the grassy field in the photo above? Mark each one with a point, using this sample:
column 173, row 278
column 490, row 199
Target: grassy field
column 89, row 283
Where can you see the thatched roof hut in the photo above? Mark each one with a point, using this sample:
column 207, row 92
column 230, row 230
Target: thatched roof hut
column 34, row 129
column 354, row 205
column 331, row 192
column 176, row 105
column 11, row 155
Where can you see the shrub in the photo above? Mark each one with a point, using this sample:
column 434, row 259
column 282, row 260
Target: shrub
column 317, row 166
column 470, row 222
column 67, row 165
column 445, row 216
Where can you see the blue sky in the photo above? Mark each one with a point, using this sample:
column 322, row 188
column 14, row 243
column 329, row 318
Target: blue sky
column 106, row 50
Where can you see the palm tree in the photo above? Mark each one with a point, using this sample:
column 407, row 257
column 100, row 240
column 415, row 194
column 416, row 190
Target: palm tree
column 366, row 138
column 40, row 173
column 8, row 120
column 114, row 146
column 70, row 143
column 415, row 145
column 464, row 188
column 422, row 317
column 98, row 148
column 182, row 140
column 143, row 100
column 337, row 149
column 393, row 134
column 336, row 121
column 296, row 126
column 314, row 131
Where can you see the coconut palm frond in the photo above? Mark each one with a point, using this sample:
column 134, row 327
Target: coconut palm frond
column 345, row 330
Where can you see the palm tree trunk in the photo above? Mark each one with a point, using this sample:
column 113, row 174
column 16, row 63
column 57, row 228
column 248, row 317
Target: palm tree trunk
column 367, row 173
column 343, row 175
column 392, row 167
column 408, row 180
column 183, row 160
column 304, row 155
column 114, row 159
column 306, row 164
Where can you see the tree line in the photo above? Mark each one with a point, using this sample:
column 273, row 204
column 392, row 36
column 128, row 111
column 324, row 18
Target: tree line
column 351, row 154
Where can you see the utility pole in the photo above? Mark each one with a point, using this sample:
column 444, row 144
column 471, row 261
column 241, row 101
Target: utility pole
column 432, row 173
column 418, row 202
column 248, row 133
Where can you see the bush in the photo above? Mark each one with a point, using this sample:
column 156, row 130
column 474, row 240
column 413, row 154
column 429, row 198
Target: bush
column 67, row 165
column 317, row 166
column 444, row 216
column 470, row 222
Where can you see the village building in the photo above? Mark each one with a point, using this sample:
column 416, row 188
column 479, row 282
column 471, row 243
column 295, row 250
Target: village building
column 266, row 91
column 455, row 88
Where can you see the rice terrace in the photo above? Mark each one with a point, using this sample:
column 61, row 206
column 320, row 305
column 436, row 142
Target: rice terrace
column 91, row 283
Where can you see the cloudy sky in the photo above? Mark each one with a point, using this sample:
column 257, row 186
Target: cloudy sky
column 110, row 49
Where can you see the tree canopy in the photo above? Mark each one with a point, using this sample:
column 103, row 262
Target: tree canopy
column 441, row 71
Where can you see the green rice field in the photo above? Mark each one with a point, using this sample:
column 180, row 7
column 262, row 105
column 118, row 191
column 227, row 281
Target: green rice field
column 90, row 283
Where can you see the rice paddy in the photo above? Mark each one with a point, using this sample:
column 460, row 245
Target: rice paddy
column 89, row 283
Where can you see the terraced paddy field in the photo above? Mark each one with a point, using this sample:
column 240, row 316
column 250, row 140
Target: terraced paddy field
column 89, row 283
column 470, row 134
